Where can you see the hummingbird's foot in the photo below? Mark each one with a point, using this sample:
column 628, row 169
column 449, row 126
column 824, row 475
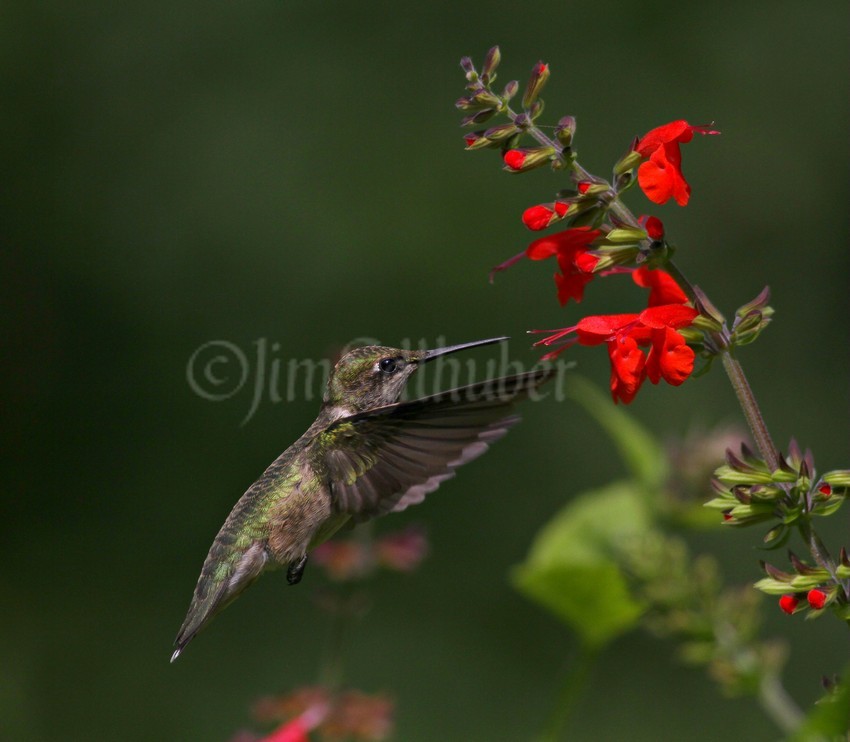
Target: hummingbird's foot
column 296, row 571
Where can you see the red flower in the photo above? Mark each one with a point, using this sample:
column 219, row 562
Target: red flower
column 403, row 550
column 825, row 489
column 817, row 598
column 660, row 174
column 471, row 138
column 293, row 731
column 574, row 262
column 576, row 266
column 626, row 335
column 788, row 603
column 654, row 227
column 663, row 289
column 569, row 242
column 514, row 158
column 544, row 215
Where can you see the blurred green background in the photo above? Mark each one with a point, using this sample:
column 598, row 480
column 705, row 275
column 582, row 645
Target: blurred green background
column 175, row 174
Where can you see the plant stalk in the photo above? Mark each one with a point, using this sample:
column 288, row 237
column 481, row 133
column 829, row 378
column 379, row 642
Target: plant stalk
column 572, row 687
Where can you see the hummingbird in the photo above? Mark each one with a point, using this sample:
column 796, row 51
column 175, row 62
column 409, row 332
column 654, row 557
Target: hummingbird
column 366, row 455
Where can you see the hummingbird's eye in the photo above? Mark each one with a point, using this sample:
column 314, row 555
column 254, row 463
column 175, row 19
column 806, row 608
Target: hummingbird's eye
column 388, row 365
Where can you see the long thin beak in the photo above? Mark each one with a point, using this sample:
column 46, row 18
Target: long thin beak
column 430, row 355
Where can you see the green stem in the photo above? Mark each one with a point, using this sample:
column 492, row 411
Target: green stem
column 574, row 683
column 819, row 552
column 778, row 705
column 331, row 667
column 748, row 403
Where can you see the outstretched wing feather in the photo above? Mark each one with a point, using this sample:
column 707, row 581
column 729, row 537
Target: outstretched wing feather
column 389, row 458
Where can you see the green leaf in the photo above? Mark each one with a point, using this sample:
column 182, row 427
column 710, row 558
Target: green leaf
column 829, row 719
column 641, row 452
column 574, row 570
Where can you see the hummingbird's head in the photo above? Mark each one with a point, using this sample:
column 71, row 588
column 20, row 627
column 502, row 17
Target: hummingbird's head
column 375, row 375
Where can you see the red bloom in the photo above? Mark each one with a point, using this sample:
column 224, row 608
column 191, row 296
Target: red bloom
column 544, row 215
column 825, row 489
column 574, row 262
column 402, row 550
column 576, row 266
column 788, row 603
column 663, row 289
column 514, row 158
column 654, row 227
column 817, row 598
column 626, row 335
column 660, row 174
column 293, row 731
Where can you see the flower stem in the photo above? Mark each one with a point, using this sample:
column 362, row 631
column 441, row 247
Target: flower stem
column 820, row 553
column 778, row 705
column 751, row 410
column 573, row 684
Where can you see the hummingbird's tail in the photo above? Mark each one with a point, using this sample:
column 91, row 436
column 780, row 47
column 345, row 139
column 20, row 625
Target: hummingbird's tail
column 225, row 575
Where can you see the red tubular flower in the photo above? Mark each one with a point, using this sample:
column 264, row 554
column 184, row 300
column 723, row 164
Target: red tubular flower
column 626, row 335
column 293, row 731
column 514, row 158
column 654, row 227
column 825, row 489
column 574, row 262
column 817, row 598
column 788, row 603
column 544, row 215
column 576, row 266
column 662, row 288
column 660, row 174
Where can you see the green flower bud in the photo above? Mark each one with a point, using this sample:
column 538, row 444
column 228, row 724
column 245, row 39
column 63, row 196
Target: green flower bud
column 539, row 76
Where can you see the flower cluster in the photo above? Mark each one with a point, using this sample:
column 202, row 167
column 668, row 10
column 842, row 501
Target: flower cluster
column 351, row 559
column 626, row 335
column 602, row 237
column 660, row 173
column 335, row 716
column 748, row 492
column 807, row 588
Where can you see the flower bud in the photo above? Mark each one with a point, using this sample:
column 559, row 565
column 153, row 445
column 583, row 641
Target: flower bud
column 706, row 308
column 629, row 161
column 539, row 76
column 838, row 478
column 544, row 215
column 535, row 109
column 478, row 118
column 817, row 598
column 468, row 68
column 477, row 140
column 500, row 133
column 483, row 98
column 788, row 603
column 491, row 62
column 625, row 236
column 565, row 130
column 527, row 158
column 510, row 90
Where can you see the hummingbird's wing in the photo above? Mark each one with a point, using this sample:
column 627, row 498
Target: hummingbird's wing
column 384, row 460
